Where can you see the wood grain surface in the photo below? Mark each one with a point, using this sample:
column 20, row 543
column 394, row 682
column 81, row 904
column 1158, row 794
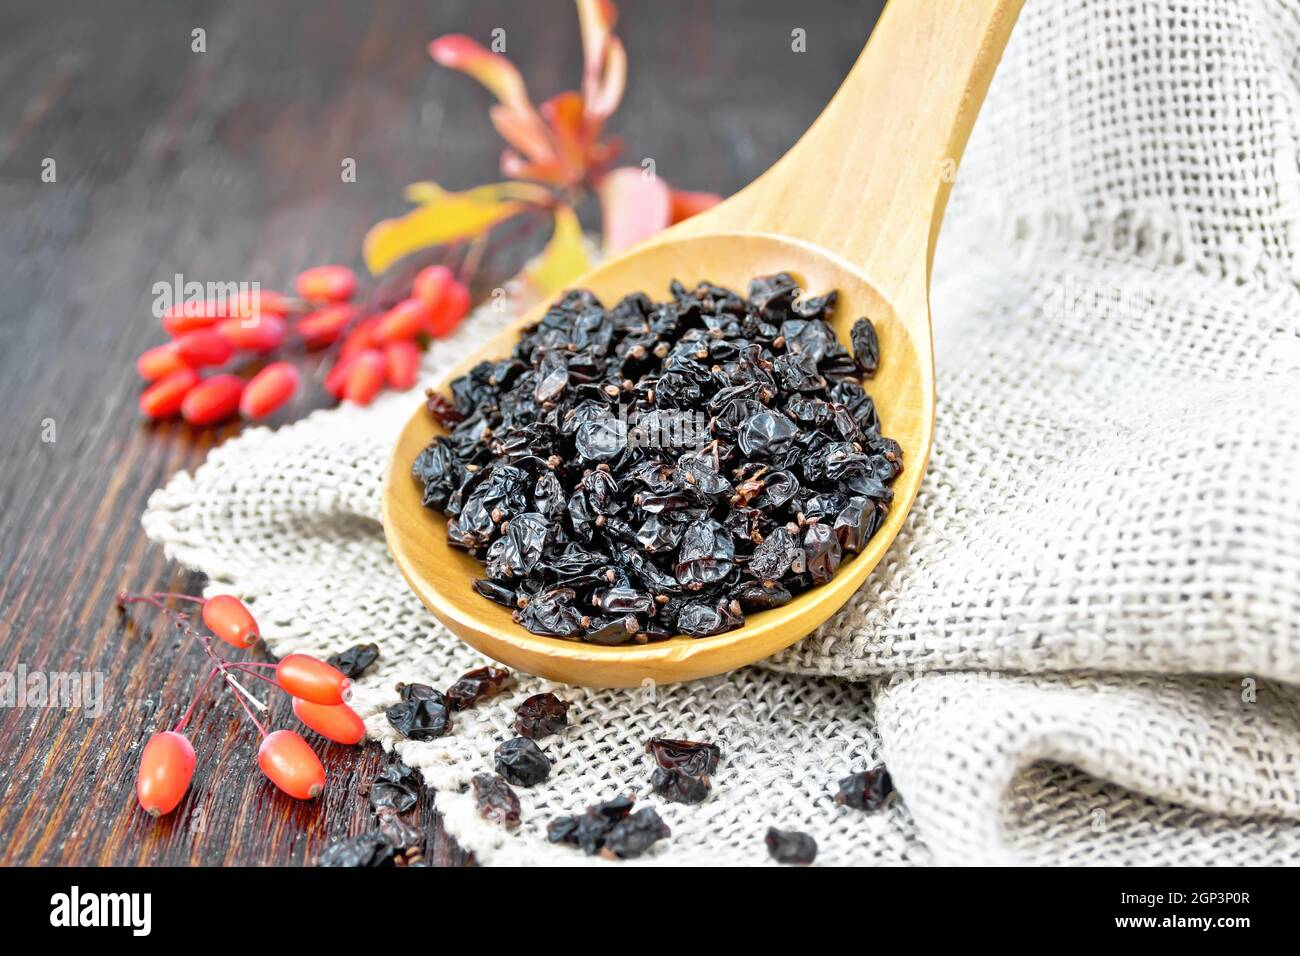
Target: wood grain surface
column 224, row 166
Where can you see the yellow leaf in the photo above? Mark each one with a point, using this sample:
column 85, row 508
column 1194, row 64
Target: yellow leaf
column 564, row 258
column 446, row 217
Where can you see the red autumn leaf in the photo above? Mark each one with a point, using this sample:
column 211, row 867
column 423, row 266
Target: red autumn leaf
column 604, row 68
column 565, row 115
column 516, row 118
column 684, row 203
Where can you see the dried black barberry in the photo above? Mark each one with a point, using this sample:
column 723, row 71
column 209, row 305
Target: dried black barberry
column 396, row 787
column 495, row 800
column 634, row 834
column 473, row 686
column 393, row 843
column 366, row 849
column 678, row 786
column 651, row 469
column 691, row 758
column 541, row 715
column 522, row 762
column 866, row 790
column 866, row 347
column 423, row 713
column 610, row 828
column 354, row 661
column 790, row 846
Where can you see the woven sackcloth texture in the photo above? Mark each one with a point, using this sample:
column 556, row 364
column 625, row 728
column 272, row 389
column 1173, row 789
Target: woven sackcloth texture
column 1085, row 645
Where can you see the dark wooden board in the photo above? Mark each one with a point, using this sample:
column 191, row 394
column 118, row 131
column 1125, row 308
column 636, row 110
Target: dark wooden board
column 224, row 165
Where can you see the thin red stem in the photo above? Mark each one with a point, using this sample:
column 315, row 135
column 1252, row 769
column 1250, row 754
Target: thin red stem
column 243, row 703
column 219, row 664
column 125, row 599
column 189, row 711
column 179, row 597
column 252, row 673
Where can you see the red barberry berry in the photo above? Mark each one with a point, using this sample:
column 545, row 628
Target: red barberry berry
column 263, row 302
column 311, row 679
column 326, row 284
column 227, row 617
column 365, row 377
column 290, row 763
column 159, row 361
column 166, row 769
column 269, row 389
column 324, row 326
column 359, row 339
column 191, row 316
column 403, row 364
column 337, row 722
column 163, row 399
column 264, row 334
column 337, row 377
column 403, row 321
column 430, row 283
column 204, row 347
column 212, row 400
column 450, row 311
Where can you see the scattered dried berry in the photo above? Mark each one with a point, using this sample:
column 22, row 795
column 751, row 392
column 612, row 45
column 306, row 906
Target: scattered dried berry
column 678, row 786
column 790, row 846
column 541, row 715
column 691, row 758
column 634, row 834
column 394, row 843
column 495, row 800
column 365, row 850
column 633, row 472
column 522, row 762
column 396, row 787
column 423, row 713
column 475, row 685
column 588, row 830
column 354, row 661
column 866, row 790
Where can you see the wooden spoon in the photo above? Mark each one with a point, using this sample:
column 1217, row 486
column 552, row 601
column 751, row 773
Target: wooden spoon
column 855, row 206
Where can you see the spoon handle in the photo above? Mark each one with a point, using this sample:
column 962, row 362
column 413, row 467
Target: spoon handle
column 871, row 177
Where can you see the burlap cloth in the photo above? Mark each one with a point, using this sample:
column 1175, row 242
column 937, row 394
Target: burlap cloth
column 1085, row 645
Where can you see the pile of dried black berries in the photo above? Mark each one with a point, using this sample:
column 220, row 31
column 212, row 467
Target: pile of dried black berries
column 652, row 469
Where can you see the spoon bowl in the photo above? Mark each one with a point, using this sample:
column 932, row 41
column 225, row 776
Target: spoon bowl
column 837, row 212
